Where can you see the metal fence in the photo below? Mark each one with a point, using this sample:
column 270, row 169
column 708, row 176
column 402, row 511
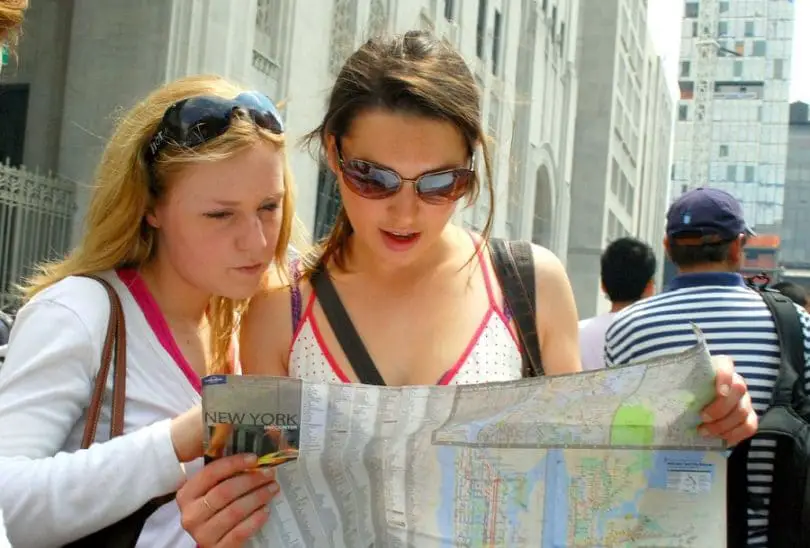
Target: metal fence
column 36, row 218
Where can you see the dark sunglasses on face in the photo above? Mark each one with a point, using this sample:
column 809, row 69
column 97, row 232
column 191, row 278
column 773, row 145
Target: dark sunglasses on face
column 375, row 182
column 197, row 120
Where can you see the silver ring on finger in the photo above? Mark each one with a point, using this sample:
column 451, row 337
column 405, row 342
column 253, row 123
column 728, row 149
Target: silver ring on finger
column 208, row 505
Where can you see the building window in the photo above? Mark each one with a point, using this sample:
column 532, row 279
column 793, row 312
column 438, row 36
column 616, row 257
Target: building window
column 731, row 173
column 683, row 112
column 481, row 29
column 269, row 36
column 723, row 7
column 722, row 28
column 749, row 29
column 691, row 9
column 449, row 9
column 778, row 69
column 554, row 22
column 739, row 47
column 344, row 20
column 327, row 203
column 614, row 178
column 377, row 19
column 545, row 6
column 630, row 203
column 496, row 43
column 738, row 69
column 694, row 28
column 723, row 151
column 759, row 48
column 685, row 67
column 749, row 174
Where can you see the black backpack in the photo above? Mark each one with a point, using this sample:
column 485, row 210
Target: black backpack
column 788, row 421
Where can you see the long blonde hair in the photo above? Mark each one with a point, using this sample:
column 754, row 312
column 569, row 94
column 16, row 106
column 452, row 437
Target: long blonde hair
column 116, row 234
column 12, row 13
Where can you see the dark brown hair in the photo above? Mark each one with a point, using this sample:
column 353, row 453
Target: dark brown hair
column 414, row 73
column 686, row 256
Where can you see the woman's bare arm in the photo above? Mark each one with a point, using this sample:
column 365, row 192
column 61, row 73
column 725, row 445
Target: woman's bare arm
column 557, row 320
column 266, row 332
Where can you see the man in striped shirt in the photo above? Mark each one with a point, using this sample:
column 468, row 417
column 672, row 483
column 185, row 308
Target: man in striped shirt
column 705, row 236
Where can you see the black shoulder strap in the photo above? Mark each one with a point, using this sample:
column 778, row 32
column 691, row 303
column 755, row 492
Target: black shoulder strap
column 344, row 330
column 514, row 266
column 790, row 383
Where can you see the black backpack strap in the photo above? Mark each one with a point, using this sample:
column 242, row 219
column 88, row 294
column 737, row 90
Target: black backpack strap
column 789, row 385
column 787, row 422
column 513, row 262
column 345, row 333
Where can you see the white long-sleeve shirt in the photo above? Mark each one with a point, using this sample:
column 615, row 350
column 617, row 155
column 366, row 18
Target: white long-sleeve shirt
column 4, row 543
column 51, row 493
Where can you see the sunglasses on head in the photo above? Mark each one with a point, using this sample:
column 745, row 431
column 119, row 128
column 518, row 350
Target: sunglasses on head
column 197, row 120
column 374, row 182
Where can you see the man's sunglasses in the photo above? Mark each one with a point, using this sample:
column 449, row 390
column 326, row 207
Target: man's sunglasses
column 375, row 182
column 197, row 120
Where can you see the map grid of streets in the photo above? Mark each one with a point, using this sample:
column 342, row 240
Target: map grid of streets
column 605, row 458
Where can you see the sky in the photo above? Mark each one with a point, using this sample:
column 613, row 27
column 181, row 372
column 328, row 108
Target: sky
column 662, row 13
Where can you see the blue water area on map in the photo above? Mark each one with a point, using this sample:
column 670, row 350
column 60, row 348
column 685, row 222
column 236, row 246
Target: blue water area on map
column 445, row 513
column 555, row 505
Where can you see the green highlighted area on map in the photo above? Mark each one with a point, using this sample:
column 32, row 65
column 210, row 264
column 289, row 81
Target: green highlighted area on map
column 633, row 425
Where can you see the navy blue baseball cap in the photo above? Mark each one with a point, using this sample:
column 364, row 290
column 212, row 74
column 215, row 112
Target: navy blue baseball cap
column 706, row 215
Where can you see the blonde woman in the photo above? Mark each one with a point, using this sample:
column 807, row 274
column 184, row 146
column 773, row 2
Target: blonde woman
column 192, row 203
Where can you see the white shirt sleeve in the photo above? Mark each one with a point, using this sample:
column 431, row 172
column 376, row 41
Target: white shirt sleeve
column 51, row 497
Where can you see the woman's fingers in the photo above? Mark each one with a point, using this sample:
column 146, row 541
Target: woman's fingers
column 221, row 510
column 212, row 474
column 230, row 490
column 241, row 519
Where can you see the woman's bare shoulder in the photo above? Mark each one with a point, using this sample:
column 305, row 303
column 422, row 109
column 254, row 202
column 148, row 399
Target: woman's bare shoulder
column 266, row 328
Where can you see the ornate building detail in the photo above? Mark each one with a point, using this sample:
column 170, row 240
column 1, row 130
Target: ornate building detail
column 343, row 33
column 377, row 19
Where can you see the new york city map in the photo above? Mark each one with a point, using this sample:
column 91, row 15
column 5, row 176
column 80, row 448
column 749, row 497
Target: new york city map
column 606, row 458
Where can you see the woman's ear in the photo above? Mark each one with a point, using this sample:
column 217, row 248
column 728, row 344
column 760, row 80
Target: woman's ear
column 152, row 219
column 332, row 156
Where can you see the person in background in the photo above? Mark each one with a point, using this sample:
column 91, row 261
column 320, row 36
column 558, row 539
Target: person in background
column 192, row 205
column 627, row 271
column 705, row 235
column 794, row 292
column 402, row 133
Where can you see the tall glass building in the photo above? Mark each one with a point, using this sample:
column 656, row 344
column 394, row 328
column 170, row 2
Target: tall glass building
column 750, row 110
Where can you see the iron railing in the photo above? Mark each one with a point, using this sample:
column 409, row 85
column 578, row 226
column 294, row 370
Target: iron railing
column 36, row 218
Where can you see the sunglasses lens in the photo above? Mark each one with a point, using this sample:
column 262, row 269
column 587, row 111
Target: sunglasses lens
column 445, row 187
column 262, row 110
column 198, row 120
column 370, row 181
